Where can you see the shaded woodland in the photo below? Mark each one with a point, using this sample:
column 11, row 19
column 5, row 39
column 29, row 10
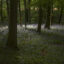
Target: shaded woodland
column 31, row 31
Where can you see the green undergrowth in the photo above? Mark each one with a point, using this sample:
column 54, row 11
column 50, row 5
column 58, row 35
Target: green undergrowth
column 34, row 48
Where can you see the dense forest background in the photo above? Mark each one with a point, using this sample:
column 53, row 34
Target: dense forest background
column 31, row 31
column 31, row 9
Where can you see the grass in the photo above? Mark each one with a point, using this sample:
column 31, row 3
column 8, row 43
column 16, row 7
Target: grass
column 44, row 48
column 53, row 38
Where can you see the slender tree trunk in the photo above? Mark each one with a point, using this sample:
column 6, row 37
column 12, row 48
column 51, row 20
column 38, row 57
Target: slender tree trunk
column 20, row 13
column 26, row 13
column 51, row 15
column 40, row 19
column 12, row 36
column 48, row 22
column 29, row 11
column 1, row 10
column 8, row 8
column 61, row 11
column 47, row 25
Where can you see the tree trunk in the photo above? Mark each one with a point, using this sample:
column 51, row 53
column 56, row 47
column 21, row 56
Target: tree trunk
column 8, row 9
column 26, row 13
column 12, row 36
column 20, row 13
column 40, row 19
column 29, row 11
column 51, row 14
column 48, row 22
column 1, row 10
column 61, row 11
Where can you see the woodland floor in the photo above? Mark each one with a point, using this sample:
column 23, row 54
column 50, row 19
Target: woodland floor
column 34, row 48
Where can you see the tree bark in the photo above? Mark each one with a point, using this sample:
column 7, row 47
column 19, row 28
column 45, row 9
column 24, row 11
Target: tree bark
column 8, row 9
column 20, row 13
column 1, row 10
column 26, row 13
column 12, row 36
column 48, row 22
column 29, row 11
column 51, row 14
column 40, row 19
column 60, row 17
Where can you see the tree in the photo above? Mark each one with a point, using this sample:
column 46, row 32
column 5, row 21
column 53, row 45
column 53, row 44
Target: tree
column 61, row 4
column 1, row 10
column 39, row 5
column 51, row 15
column 60, row 16
column 26, row 12
column 20, row 13
column 8, row 9
column 49, row 8
column 29, row 11
column 39, row 19
column 12, row 35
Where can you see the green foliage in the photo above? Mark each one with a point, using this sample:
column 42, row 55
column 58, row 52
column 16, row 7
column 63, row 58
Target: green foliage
column 34, row 5
column 44, row 49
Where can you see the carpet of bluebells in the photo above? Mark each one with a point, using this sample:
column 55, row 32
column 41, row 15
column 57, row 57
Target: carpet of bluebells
column 34, row 48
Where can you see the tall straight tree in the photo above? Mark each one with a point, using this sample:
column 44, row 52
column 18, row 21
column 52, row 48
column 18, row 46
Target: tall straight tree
column 39, row 18
column 40, row 15
column 12, row 36
column 26, row 12
column 61, row 8
column 61, row 14
column 51, row 14
column 29, row 11
column 1, row 10
column 48, row 22
column 7, row 3
column 20, row 12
